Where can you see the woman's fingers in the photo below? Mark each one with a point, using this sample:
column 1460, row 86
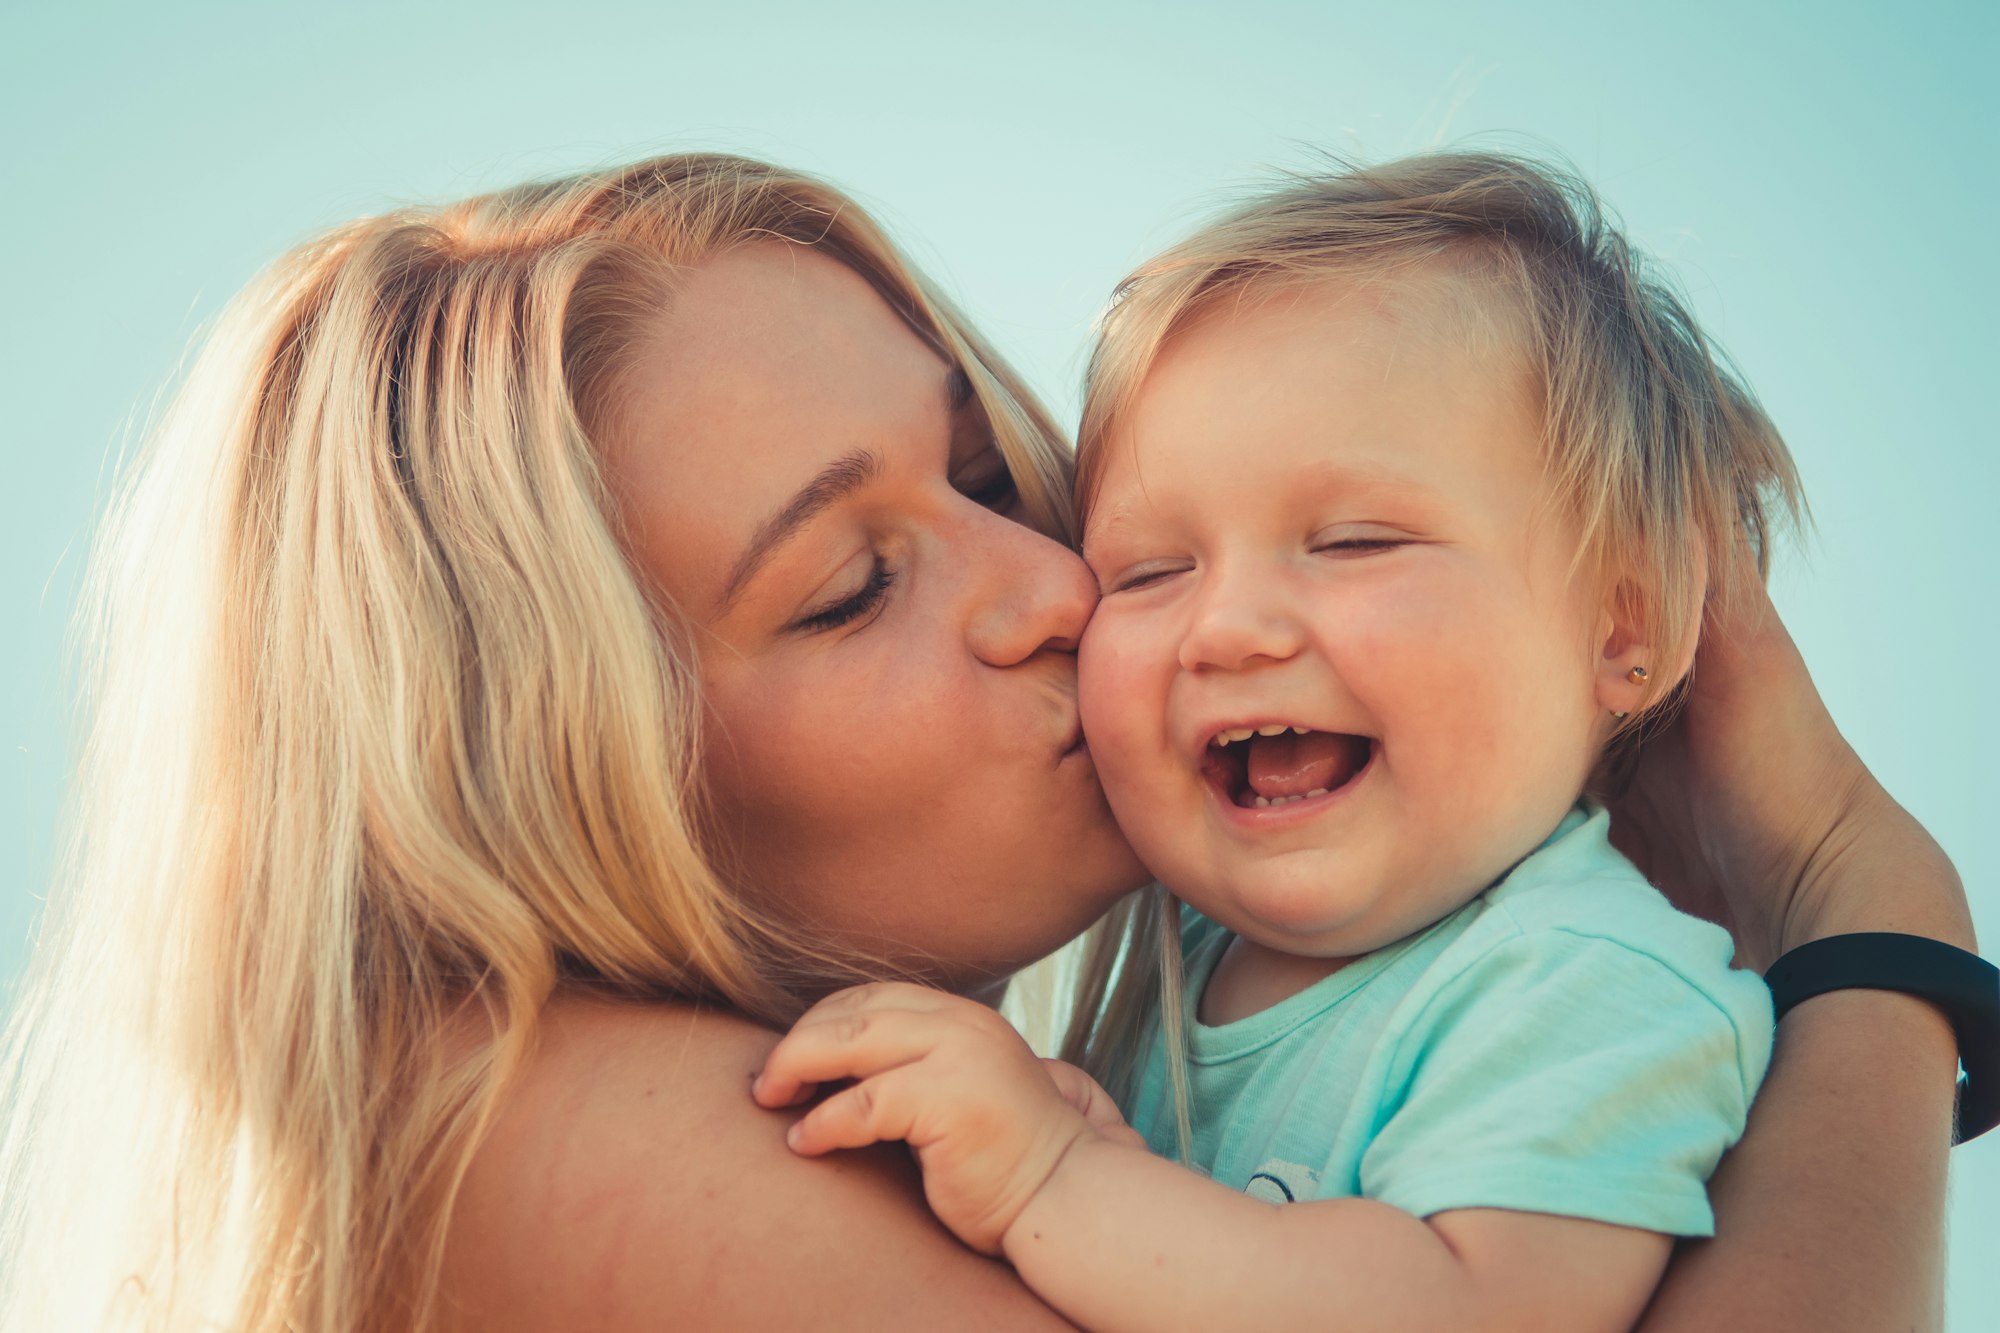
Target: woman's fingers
column 1751, row 809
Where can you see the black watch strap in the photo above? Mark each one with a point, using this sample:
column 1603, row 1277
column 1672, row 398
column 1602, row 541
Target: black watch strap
column 1963, row 985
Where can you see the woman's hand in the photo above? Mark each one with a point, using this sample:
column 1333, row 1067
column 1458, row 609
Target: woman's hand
column 988, row 1120
column 1750, row 809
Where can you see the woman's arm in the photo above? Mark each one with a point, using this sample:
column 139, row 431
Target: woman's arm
column 630, row 1184
column 1753, row 811
column 1830, row 1212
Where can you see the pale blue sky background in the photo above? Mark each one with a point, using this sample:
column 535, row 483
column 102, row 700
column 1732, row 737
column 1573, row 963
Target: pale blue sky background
column 1822, row 176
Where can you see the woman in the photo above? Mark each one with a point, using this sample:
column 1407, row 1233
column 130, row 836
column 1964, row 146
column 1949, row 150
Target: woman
column 559, row 635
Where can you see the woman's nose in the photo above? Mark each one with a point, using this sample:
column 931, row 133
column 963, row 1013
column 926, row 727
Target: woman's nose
column 1240, row 616
column 1033, row 593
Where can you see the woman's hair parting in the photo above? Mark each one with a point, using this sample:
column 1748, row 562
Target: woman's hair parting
column 387, row 740
column 1651, row 439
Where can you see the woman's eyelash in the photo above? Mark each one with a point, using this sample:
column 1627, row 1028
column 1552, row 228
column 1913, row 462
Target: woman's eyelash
column 864, row 600
column 992, row 492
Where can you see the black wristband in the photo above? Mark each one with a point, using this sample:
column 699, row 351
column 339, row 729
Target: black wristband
column 1964, row 986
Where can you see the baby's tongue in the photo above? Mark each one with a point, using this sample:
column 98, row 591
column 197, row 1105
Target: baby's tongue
column 1292, row 765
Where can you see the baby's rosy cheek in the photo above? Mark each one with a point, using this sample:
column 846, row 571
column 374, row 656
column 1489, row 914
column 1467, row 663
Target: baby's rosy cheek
column 1110, row 663
column 1112, row 698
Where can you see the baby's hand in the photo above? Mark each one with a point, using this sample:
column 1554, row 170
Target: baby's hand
column 988, row 1120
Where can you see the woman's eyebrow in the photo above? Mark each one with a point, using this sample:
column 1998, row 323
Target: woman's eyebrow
column 839, row 478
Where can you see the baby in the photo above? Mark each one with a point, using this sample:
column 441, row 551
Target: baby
column 1404, row 488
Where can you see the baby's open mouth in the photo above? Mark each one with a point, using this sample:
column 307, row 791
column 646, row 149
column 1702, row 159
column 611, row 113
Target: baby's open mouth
column 1278, row 764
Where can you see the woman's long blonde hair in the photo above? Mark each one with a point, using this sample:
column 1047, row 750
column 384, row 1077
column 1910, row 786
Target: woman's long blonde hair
column 1650, row 438
column 387, row 742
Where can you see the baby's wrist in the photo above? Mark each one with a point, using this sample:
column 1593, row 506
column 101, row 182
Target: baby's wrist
column 1041, row 1219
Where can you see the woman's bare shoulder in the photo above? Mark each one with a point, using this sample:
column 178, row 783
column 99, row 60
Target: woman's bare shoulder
column 630, row 1183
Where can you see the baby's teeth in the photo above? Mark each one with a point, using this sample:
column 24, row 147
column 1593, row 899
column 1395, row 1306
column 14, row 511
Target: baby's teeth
column 1232, row 735
column 1272, row 802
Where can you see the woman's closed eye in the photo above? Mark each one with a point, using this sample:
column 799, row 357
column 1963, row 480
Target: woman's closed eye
column 986, row 481
column 865, row 600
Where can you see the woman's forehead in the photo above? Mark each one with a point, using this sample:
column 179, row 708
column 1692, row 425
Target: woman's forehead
column 771, row 363
column 784, row 330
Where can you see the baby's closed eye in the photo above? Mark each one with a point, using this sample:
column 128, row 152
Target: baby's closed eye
column 1146, row 574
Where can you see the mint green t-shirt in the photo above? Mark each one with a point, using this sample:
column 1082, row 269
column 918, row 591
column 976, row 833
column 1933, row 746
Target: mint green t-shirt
column 1565, row 1043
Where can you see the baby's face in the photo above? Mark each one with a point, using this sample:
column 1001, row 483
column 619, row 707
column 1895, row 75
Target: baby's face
column 1326, row 512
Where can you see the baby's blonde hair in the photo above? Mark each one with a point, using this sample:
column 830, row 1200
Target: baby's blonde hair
column 388, row 740
column 1651, row 439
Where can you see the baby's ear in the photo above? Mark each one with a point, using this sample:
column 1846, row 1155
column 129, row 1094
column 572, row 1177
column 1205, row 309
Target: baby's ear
column 1636, row 665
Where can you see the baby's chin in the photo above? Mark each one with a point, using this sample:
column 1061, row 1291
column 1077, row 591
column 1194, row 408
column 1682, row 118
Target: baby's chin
column 1347, row 939
column 1317, row 903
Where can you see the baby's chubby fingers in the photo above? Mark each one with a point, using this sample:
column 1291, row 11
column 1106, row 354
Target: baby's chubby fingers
column 874, row 1110
column 855, row 1034
column 947, row 1076
column 1084, row 1094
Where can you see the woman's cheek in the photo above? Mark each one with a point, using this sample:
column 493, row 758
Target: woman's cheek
column 767, row 718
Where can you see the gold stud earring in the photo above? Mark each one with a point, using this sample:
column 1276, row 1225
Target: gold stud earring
column 1638, row 676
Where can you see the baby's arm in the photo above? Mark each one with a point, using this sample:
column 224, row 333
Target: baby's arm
column 1114, row 1238
column 1119, row 1240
